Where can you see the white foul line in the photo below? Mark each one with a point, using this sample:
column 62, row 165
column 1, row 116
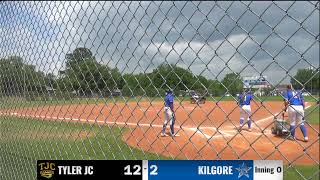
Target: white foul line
column 105, row 122
column 224, row 133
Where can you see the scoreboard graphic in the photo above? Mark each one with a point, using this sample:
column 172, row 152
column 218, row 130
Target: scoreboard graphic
column 161, row 169
column 255, row 82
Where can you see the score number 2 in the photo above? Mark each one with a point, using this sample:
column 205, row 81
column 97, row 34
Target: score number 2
column 136, row 170
column 153, row 170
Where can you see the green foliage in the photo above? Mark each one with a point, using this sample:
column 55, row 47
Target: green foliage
column 215, row 88
column 126, row 91
column 78, row 55
column 18, row 78
column 86, row 76
column 153, row 92
column 168, row 76
column 306, row 78
column 233, row 83
column 173, row 77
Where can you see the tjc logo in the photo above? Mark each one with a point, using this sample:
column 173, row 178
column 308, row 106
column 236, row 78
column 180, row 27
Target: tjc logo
column 47, row 169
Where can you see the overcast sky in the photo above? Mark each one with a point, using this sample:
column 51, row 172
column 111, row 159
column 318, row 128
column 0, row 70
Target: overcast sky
column 209, row 38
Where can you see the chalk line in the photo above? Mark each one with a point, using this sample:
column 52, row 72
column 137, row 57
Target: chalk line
column 224, row 133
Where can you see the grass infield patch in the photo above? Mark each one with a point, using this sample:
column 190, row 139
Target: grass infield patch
column 312, row 114
column 23, row 141
column 301, row 172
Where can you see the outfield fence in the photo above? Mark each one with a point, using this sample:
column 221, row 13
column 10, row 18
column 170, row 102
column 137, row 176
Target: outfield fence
column 87, row 80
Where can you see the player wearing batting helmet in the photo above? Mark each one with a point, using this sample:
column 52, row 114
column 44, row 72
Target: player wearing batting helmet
column 295, row 104
column 169, row 114
column 245, row 109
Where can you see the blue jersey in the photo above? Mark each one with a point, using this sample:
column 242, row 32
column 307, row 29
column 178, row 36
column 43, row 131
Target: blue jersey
column 245, row 99
column 168, row 100
column 294, row 97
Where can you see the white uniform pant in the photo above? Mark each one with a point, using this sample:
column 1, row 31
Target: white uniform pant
column 245, row 112
column 295, row 114
column 168, row 115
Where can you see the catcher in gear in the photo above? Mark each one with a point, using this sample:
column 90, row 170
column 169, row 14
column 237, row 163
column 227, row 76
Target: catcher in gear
column 196, row 99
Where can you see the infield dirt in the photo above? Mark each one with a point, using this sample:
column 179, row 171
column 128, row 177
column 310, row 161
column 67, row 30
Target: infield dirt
column 207, row 131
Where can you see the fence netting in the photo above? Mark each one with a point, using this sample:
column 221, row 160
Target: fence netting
column 88, row 80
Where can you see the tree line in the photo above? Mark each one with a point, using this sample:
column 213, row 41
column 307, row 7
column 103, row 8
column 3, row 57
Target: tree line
column 85, row 76
column 17, row 77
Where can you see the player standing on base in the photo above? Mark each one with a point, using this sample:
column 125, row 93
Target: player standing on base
column 295, row 105
column 169, row 114
column 245, row 108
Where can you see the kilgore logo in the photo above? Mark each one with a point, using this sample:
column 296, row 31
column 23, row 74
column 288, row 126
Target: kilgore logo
column 47, row 169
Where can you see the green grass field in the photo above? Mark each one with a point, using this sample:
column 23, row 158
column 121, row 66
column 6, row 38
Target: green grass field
column 21, row 102
column 24, row 141
column 51, row 137
column 301, row 172
column 312, row 114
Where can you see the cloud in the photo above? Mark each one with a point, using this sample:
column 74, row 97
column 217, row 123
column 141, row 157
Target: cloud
column 209, row 38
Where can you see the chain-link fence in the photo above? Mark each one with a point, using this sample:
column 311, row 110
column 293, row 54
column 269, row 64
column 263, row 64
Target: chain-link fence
column 91, row 80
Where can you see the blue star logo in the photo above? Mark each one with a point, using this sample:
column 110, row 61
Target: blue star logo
column 243, row 170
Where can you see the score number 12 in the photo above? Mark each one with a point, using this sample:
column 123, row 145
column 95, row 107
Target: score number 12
column 137, row 170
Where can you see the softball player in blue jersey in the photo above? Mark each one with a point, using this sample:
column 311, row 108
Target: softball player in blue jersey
column 295, row 105
column 169, row 114
column 245, row 99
